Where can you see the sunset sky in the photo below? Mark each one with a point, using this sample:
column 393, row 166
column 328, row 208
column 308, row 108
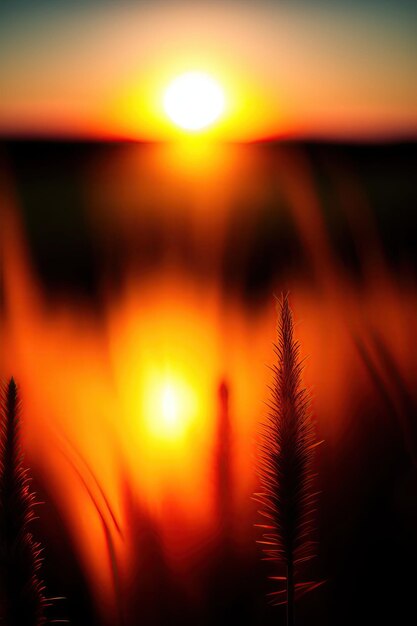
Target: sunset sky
column 98, row 68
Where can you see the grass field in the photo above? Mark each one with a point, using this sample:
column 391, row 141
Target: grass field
column 138, row 319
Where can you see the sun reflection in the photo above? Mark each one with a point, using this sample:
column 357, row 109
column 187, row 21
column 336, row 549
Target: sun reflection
column 170, row 407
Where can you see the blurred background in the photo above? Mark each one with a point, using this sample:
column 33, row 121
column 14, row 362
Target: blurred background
column 137, row 311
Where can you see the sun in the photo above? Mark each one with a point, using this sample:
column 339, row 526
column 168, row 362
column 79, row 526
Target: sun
column 193, row 101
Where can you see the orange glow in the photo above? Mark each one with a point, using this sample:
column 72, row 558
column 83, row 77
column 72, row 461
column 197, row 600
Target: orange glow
column 141, row 396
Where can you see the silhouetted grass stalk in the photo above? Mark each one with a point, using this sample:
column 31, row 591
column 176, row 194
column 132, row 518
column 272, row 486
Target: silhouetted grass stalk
column 22, row 599
column 286, row 473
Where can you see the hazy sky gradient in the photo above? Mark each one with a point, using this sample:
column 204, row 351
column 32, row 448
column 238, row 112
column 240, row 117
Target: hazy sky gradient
column 340, row 68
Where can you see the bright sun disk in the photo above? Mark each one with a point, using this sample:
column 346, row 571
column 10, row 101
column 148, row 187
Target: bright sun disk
column 194, row 101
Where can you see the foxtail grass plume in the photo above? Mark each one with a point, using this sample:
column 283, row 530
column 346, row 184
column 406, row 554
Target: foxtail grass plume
column 22, row 592
column 287, row 497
